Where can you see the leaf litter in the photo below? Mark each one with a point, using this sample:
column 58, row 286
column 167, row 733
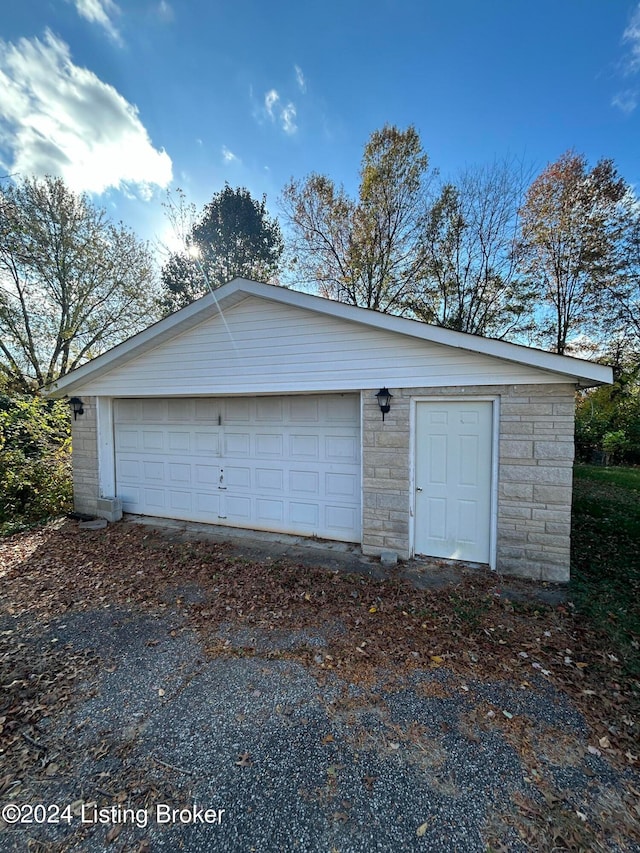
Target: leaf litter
column 371, row 634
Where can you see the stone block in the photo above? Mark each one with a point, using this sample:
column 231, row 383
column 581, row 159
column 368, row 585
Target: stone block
column 544, row 450
column 516, row 449
column 515, row 427
column 548, row 494
column 536, row 475
column 556, row 574
column 393, row 502
column 517, row 491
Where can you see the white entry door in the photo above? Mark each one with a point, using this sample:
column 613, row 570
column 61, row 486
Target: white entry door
column 453, row 467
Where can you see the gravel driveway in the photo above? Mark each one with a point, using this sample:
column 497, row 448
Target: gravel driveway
column 177, row 739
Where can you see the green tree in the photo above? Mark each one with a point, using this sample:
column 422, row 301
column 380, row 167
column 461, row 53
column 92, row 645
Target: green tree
column 234, row 236
column 573, row 221
column 470, row 278
column 366, row 251
column 72, row 283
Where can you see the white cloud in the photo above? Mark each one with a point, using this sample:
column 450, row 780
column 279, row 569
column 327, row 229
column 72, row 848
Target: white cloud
column 271, row 100
column 626, row 101
column 288, row 116
column 165, row 12
column 631, row 36
column 101, row 12
column 300, row 80
column 228, row 156
column 59, row 119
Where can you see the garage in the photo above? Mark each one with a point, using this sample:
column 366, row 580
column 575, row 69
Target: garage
column 289, row 464
column 267, row 408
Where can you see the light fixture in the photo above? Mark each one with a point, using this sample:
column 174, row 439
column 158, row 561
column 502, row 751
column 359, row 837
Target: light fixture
column 78, row 406
column 384, row 401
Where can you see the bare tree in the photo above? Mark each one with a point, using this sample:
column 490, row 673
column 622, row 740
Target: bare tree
column 366, row 251
column 470, row 278
column 72, row 283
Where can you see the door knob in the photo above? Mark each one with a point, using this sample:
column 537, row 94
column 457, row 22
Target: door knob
column 418, row 488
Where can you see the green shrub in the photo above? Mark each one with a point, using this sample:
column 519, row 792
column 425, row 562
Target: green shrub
column 608, row 421
column 35, row 461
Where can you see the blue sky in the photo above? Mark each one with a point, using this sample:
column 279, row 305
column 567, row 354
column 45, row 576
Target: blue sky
column 127, row 99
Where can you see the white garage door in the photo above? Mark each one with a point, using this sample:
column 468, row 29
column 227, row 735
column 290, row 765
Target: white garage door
column 287, row 464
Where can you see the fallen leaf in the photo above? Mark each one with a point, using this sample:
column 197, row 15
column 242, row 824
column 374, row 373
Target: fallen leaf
column 244, row 760
column 113, row 833
column 421, row 830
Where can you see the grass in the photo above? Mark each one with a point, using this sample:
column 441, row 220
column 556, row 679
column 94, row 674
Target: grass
column 605, row 559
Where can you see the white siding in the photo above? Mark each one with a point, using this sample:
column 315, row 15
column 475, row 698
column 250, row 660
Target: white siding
column 264, row 346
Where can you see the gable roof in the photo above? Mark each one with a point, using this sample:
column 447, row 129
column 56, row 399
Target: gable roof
column 215, row 305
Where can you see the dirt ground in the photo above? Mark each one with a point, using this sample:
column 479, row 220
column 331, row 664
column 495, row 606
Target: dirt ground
column 164, row 690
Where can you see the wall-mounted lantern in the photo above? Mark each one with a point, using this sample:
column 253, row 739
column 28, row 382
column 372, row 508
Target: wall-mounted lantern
column 384, row 401
column 77, row 405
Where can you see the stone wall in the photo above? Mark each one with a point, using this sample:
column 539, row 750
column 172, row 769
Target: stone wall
column 534, row 480
column 84, row 439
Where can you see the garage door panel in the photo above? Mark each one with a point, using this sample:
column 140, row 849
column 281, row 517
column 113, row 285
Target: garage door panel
column 236, row 411
column 154, row 411
column 304, row 409
column 179, row 441
column 340, row 518
column 153, row 498
column 180, row 500
column 153, row 471
column 206, row 504
column 268, row 445
column 237, row 444
column 236, row 477
column 237, row 508
column 130, row 496
column 304, row 482
column 341, row 448
column 304, row 446
column 270, row 510
column 206, row 409
column 129, row 470
column 341, row 485
column 207, row 442
column 127, row 439
column 289, row 464
column 207, row 475
column 269, row 479
column 342, row 408
column 305, row 514
column 269, row 410
column 179, row 472
column 152, row 440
